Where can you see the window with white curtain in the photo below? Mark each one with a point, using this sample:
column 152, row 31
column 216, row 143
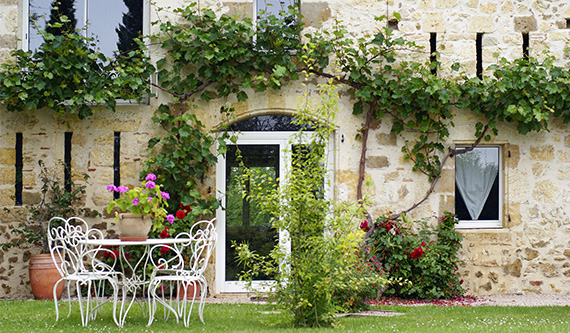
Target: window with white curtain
column 478, row 187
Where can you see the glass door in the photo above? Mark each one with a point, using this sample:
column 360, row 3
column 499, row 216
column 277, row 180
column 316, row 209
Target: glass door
column 240, row 220
column 245, row 223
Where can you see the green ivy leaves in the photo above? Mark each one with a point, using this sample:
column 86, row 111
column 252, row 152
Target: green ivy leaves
column 221, row 56
column 68, row 75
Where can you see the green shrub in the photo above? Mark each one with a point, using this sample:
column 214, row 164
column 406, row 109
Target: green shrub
column 323, row 272
column 426, row 260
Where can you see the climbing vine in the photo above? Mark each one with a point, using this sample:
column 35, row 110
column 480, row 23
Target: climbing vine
column 68, row 75
column 210, row 56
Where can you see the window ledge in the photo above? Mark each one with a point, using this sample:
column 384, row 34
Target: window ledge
column 144, row 101
column 120, row 102
column 496, row 230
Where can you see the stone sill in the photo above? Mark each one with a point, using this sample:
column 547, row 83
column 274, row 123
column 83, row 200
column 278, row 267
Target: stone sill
column 483, row 231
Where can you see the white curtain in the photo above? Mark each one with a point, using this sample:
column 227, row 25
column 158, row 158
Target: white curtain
column 475, row 173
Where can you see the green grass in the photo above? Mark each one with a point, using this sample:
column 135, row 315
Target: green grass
column 39, row 316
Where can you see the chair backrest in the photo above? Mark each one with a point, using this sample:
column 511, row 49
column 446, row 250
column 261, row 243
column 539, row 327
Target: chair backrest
column 203, row 238
column 66, row 239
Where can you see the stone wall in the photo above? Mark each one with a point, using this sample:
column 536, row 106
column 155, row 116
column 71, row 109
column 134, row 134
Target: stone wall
column 529, row 254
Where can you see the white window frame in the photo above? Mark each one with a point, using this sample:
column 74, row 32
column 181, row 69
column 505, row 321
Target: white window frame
column 283, row 139
column 256, row 10
column 26, row 21
column 487, row 224
column 145, row 31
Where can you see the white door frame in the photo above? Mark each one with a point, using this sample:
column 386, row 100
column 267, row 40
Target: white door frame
column 283, row 139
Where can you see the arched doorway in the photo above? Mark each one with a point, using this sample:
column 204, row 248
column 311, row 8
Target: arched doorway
column 264, row 143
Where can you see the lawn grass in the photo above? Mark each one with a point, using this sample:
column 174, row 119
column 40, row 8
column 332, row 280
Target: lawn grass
column 38, row 316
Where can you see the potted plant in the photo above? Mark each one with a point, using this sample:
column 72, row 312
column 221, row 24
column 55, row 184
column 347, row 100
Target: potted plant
column 55, row 200
column 138, row 207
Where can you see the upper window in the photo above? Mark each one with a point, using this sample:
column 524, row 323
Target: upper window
column 265, row 8
column 113, row 23
column 478, row 188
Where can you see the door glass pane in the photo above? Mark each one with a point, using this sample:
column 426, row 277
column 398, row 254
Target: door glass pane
column 244, row 220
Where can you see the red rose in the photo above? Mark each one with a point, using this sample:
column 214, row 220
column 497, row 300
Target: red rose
column 164, row 250
column 417, row 253
column 364, row 226
column 115, row 254
column 187, row 208
column 180, row 214
column 164, row 233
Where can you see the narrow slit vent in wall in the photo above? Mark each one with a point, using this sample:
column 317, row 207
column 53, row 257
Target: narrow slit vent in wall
column 19, row 184
column 116, row 162
column 432, row 52
column 479, row 52
column 67, row 161
column 525, row 45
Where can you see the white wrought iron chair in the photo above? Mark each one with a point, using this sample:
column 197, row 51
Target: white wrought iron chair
column 81, row 264
column 182, row 266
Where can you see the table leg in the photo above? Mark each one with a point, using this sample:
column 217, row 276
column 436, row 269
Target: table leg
column 132, row 282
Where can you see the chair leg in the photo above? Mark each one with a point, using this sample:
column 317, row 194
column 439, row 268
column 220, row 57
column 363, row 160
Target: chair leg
column 203, row 291
column 187, row 312
column 151, row 303
column 68, row 283
column 80, row 302
column 115, row 299
column 55, row 299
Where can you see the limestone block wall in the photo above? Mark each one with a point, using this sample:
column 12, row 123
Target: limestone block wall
column 531, row 253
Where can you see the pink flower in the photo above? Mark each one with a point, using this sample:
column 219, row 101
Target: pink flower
column 150, row 184
column 135, row 201
column 112, row 188
column 170, row 218
column 150, row 176
column 122, row 189
column 165, row 195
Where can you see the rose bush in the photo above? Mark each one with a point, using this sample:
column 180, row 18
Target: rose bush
column 426, row 258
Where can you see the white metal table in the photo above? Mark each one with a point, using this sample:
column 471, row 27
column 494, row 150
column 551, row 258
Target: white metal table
column 132, row 282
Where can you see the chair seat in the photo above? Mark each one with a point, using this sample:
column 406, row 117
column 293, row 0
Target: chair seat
column 177, row 277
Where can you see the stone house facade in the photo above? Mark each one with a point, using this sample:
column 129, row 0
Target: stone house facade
column 526, row 250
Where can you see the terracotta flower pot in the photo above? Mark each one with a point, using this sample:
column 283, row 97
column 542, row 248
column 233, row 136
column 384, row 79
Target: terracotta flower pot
column 134, row 226
column 189, row 291
column 43, row 276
